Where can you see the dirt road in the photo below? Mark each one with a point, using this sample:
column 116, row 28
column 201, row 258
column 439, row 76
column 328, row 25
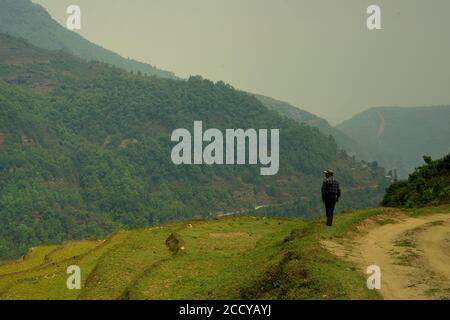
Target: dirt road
column 412, row 252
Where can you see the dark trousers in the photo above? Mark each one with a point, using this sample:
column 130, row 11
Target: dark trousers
column 329, row 208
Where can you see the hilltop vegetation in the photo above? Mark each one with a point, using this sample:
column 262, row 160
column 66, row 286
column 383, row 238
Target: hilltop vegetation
column 398, row 137
column 24, row 19
column 227, row 258
column 428, row 185
column 86, row 149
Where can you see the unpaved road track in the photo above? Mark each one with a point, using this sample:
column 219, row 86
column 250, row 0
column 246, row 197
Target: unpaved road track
column 412, row 252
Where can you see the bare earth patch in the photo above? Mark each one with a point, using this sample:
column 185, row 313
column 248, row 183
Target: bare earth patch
column 413, row 254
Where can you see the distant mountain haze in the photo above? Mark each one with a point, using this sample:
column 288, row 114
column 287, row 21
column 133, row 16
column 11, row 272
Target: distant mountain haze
column 23, row 19
column 344, row 142
column 315, row 54
column 399, row 137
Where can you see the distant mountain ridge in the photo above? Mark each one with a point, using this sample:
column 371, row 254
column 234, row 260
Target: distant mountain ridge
column 344, row 142
column 399, row 137
column 24, row 19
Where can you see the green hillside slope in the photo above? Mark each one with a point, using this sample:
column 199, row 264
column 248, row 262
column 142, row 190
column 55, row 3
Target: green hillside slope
column 227, row 258
column 398, row 138
column 86, row 149
column 24, row 19
column 344, row 142
column 428, row 185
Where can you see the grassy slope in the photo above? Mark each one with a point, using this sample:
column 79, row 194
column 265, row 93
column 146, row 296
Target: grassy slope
column 227, row 258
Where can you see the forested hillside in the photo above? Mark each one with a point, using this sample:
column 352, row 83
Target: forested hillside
column 344, row 142
column 85, row 148
column 399, row 137
column 24, row 19
column 428, row 185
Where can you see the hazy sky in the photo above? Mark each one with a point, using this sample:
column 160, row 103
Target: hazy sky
column 316, row 54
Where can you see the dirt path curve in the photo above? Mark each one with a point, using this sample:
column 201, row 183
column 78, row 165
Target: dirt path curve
column 413, row 254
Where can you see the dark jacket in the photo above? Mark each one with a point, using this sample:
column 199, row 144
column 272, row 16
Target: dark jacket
column 330, row 190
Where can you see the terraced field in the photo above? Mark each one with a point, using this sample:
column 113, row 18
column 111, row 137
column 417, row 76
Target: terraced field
column 138, row 265
column 226, row 258
column 41, row 274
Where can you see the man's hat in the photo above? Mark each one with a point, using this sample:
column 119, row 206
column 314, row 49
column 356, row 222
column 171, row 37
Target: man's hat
column 329, row 171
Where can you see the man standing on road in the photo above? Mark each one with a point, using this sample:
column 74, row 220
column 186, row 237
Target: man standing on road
column 331, row 192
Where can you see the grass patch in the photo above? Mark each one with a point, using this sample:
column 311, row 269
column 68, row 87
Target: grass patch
column 406, row 259
column 436, row 223
column 406, row 243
